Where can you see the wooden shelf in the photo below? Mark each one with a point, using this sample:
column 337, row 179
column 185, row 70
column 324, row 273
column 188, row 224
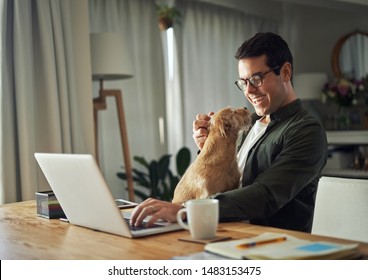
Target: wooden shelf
column 345, row 173
column 353, row 137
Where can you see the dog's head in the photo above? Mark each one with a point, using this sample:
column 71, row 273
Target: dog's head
column 230, row 120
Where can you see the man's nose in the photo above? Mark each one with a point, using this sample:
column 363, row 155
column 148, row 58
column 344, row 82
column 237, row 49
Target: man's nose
column 250, row 88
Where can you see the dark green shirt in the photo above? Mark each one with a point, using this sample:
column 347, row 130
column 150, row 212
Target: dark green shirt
column 281, row 174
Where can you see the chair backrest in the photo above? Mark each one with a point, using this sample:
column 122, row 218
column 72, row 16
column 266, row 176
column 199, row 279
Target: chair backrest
column 341, row 208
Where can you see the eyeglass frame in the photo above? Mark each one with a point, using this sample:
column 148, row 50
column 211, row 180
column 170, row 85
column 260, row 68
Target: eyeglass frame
column 259, row 74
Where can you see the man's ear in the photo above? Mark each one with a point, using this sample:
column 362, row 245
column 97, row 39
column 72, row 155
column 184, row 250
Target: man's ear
column 286, row 71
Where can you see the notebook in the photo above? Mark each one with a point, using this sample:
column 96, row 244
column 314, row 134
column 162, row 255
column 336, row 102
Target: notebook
column 275, row 246
column 87, row 201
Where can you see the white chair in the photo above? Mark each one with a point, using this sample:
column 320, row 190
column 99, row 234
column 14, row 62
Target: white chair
column 341, row 208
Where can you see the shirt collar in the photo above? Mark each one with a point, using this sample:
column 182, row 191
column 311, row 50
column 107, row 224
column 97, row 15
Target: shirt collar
column 282, row 113
column 287, row 111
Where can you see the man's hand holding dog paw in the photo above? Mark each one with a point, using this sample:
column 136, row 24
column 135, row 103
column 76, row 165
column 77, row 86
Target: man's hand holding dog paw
column 200, row 128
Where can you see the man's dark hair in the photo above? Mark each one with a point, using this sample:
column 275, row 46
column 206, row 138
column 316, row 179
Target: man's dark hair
column 272, row 45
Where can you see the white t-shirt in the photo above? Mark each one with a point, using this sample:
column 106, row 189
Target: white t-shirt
column 253, row 136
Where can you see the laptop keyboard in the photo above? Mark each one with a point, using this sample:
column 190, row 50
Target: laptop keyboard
column 143, row 226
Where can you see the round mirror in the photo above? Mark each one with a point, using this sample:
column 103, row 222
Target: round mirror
column 350, row 56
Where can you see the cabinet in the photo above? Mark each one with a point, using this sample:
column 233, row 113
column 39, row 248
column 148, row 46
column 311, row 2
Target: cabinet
column 348, row 154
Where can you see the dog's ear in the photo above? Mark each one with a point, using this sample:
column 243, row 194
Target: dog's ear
column 224, row 128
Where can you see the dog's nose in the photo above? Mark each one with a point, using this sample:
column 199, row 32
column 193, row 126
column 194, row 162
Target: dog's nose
column 245, row 108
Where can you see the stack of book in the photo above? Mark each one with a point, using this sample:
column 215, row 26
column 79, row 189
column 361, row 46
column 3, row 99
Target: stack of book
column 48, row 206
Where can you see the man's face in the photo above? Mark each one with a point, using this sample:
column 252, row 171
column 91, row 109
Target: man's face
column 272, row 93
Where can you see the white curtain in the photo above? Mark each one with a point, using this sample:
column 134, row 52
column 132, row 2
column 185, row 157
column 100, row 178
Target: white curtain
column 174, row 108
column 46, row 93
column 207, row 41
column 144, row 94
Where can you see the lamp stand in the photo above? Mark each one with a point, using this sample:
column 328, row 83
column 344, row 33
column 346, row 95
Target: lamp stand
column 99, row 103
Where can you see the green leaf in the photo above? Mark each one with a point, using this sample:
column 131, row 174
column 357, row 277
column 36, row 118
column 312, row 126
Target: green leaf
column 182, row 160
column 163, row 166
column 123, row 176
column 166, row 195
column 140, row 194
column 142, row 179
column 174, row 180
column 141, row 160
column 153, row 171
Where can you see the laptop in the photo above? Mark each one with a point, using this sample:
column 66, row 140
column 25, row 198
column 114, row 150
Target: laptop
column 85, row 198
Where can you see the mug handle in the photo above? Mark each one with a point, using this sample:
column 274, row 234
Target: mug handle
column 179, row 218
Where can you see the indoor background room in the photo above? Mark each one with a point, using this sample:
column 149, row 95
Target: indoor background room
column 47, row 88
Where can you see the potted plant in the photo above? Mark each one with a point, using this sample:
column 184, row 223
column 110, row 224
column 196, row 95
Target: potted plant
column 167, row 16
column 158, row 180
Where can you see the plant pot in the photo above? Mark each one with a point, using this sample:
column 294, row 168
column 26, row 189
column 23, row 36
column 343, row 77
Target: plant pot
column 365, row 121
column 165, row 23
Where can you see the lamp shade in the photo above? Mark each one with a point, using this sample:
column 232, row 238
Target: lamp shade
column 110, row 57
column 308, row 86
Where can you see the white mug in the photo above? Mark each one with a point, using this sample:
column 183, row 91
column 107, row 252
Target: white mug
column 202, row 217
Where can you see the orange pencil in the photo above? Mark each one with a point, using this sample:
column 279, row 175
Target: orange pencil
column 263, row 242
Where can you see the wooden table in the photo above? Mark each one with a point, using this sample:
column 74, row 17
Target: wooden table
column 25, row 236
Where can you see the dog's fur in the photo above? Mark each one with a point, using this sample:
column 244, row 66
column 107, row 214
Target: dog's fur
column 215, row 169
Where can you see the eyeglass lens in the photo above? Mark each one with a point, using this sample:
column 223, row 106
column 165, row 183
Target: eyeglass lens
column 255, row 81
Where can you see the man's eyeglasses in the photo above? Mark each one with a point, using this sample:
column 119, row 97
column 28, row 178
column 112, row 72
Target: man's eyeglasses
column 256, row 80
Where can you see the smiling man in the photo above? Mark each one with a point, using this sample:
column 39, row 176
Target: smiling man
column 281, row 156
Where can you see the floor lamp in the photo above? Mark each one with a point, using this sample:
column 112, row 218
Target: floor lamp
column 110, row 62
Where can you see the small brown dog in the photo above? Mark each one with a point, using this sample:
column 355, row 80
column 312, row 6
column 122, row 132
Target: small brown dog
column 216, row 168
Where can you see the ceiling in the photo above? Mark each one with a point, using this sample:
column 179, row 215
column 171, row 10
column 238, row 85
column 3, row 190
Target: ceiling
column 345, row 5
column 274, row 6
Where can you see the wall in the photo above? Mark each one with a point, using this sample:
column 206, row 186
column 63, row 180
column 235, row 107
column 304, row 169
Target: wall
column 318, row 30
column 311, row 28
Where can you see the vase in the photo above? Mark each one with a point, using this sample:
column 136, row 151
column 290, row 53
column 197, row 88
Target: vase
column 344, row 118
column 365, row 120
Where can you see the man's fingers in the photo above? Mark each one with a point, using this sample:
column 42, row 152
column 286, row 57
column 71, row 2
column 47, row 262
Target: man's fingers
column 141, row 210
column 203, row 117
column 200, row 132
